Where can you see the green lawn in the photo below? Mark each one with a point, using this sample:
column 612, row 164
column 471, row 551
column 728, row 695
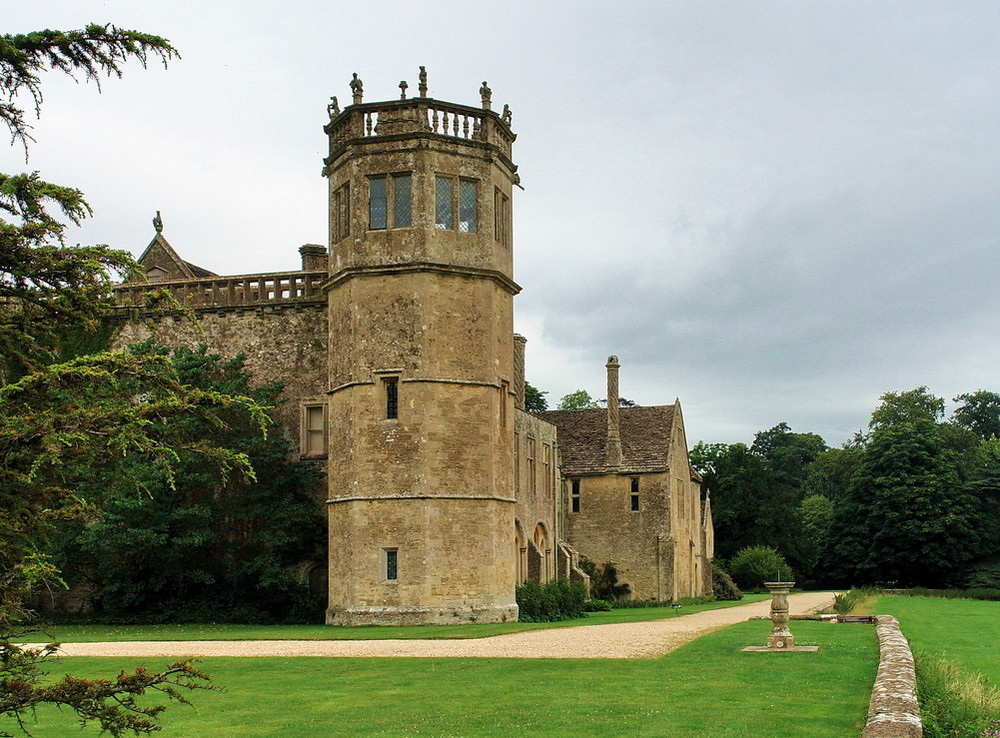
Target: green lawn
column 706, row 688
column 91, row 633
column 965, row 631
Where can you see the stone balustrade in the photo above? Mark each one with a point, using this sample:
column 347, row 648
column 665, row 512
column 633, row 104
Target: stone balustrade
column 418, row 114
column 244, row 290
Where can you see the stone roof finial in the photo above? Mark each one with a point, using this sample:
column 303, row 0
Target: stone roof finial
column 486, row 94
column 402, row 89
column 158, row 222
column 423, row 82
column 333, row 109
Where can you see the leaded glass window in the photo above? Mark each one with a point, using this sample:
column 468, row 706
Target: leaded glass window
column 391, row 564
column 444, row 213
column 402, row 214
column 390, row 201
column 467, row 206
column 378, row 203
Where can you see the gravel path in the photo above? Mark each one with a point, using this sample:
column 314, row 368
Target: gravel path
column 619, row 641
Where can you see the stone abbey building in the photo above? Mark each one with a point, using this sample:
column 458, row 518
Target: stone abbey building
column 404, row 377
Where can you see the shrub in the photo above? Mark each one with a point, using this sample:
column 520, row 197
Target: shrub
column 555, row 600
column 723, row 586
column 754, row 565
column 856, row 598
column 598, row 606
column 604, row 580
column 984, row 574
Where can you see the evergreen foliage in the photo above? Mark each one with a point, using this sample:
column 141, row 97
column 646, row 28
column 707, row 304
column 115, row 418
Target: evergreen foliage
column 604, row 583
column 555, row 600
column 194, row 546
column 62, row 419
column 723, row 586
column 534, row 399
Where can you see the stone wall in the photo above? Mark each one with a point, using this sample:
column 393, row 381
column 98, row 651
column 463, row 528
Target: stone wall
column 538, row 524
column 286, row 343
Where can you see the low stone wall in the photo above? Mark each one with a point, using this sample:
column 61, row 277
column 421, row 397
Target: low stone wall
column 893, row 711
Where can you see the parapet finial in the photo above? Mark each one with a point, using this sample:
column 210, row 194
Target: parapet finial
column 486, row 94
column 158, row 222
column 357, row 89
column 422, row 87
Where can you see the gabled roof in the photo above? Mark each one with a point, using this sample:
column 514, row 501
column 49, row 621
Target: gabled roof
column 646, row 434
column 161, row 254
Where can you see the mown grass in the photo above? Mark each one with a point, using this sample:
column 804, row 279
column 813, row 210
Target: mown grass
column 958, row 665
column 965, row 631
column 706, row 688
column 222, row 632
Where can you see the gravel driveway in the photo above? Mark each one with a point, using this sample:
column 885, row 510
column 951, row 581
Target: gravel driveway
column 617, row 641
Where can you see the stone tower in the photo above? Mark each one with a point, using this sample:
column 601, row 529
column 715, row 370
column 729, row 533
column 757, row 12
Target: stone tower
column 420, row 399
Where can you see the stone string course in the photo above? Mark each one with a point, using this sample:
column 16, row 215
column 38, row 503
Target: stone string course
column 893, row 711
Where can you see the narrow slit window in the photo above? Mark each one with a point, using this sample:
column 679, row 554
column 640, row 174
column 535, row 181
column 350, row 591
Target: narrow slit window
column 391, row 397
column 634, row 503
column 391, row 564
column 574, row 498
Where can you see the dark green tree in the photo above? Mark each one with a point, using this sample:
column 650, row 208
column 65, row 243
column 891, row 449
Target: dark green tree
column 906, row 518
column 788, row 454
column 59, row 422
column 979, row 412
column 195, row 546
column 534, row 399
column 910, row 406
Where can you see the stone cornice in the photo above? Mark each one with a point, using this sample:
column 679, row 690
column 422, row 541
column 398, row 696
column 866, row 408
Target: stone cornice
column 347, row 273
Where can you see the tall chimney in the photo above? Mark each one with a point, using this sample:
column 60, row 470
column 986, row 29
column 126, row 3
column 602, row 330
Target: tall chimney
column 614, row 435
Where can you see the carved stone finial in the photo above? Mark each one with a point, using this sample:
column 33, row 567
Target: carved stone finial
column 506, row 115
column 402, row 89
column 158, row 222
column 357, row 89
column 334, row 107
column 423, row 82
column 486, row 94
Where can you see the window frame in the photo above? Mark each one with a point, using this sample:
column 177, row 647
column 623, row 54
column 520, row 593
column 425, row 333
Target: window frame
column 390, row 563
column 454, row 201
column 306, row 448
column 392, row 182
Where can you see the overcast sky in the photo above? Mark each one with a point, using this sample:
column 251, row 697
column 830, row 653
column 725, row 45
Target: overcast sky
column 775, row 211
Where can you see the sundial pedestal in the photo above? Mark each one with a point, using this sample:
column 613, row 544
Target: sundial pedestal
column 780, row 640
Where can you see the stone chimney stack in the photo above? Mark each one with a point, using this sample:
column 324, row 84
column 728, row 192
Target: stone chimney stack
column 519, row 342
column 614, row 434
column 313, row 257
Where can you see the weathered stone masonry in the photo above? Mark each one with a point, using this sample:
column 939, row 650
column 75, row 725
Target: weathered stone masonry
column 403, row 376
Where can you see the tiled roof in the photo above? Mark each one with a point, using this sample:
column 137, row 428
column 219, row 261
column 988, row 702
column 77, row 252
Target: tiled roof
column 583, row 434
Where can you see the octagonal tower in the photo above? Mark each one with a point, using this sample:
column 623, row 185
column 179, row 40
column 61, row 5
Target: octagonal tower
column 420, row 404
